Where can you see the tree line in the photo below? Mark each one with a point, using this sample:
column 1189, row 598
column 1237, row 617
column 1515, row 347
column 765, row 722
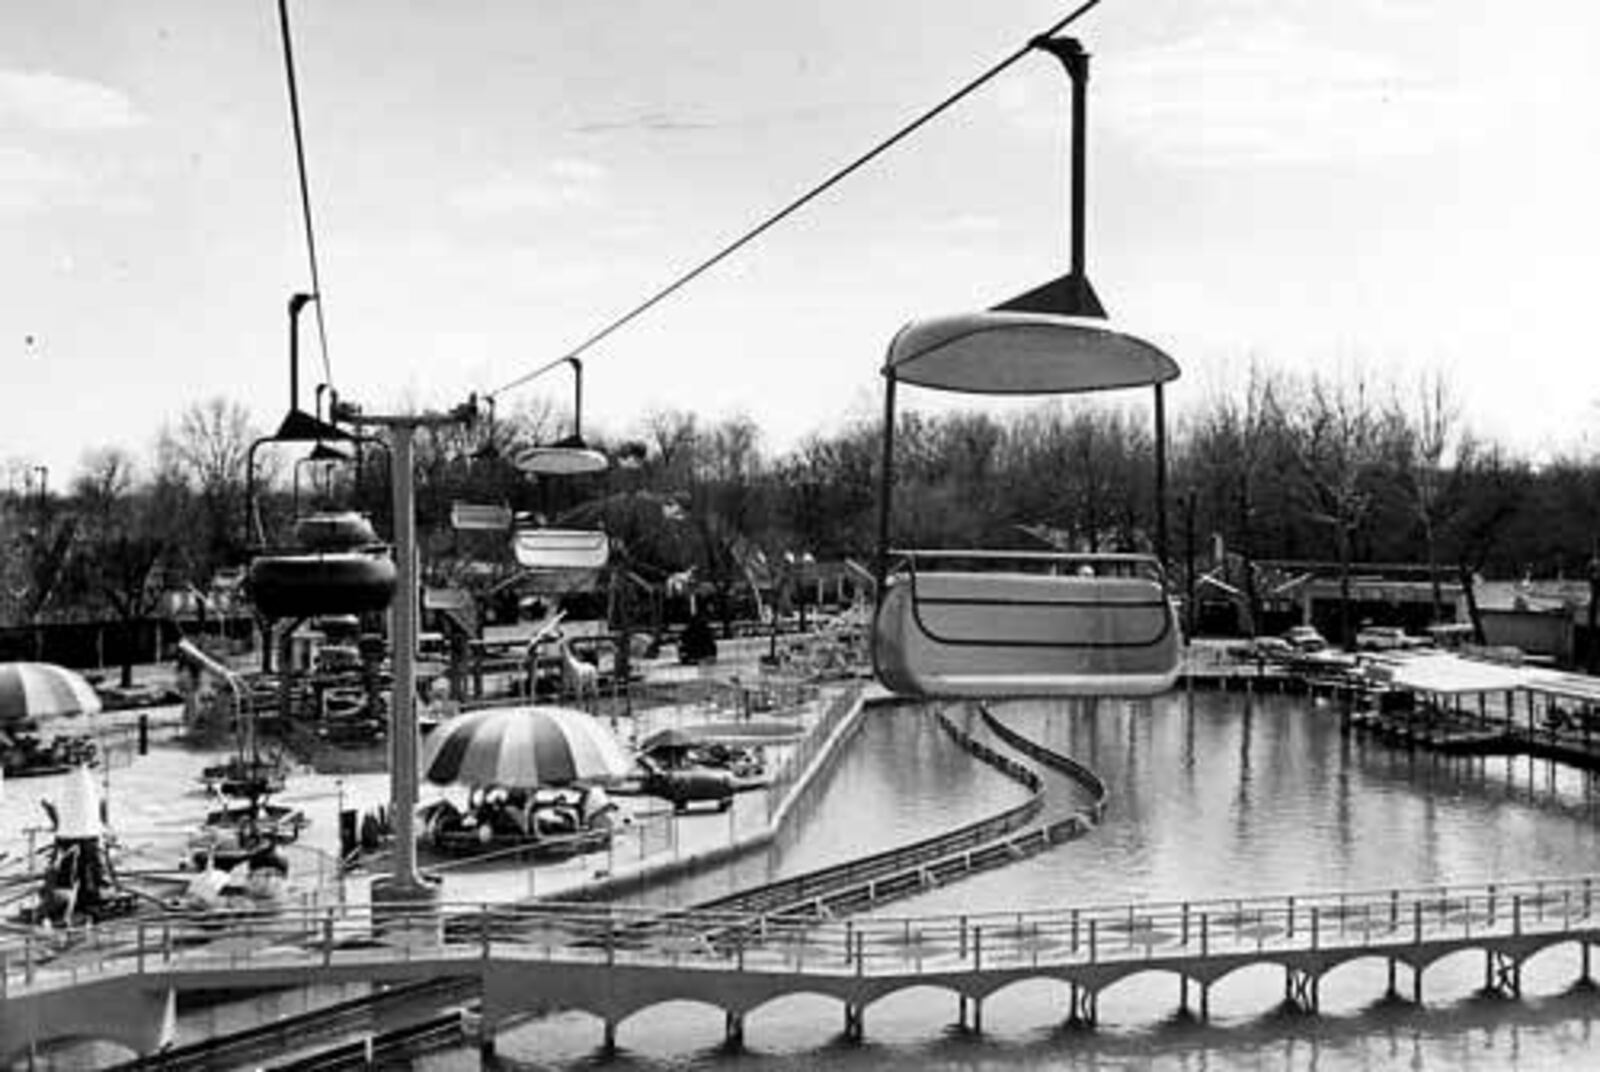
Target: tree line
column 1344, row 470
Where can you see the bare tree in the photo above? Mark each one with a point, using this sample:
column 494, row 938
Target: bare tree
column 209, row 449
column 1337, row 439
column 1427, row 432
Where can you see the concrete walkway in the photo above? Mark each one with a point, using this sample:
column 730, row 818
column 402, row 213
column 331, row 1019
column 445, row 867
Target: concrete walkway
column 156, row 800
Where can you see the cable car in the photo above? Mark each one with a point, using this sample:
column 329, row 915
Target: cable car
column 954, row 623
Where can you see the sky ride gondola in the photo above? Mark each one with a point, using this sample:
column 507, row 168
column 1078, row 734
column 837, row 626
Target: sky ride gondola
column 992, row 623
column 997, row 623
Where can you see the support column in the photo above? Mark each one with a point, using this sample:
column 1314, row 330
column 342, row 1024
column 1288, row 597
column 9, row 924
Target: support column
column 1085, row 1006
column 1502, row 974
column 733, row 1031
column 485, row 1039
column 608, row 1039
column 854, row 1022
column 404, row 884
column 1301, row 989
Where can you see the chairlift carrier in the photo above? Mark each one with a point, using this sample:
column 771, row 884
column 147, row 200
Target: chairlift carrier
column 998, row 623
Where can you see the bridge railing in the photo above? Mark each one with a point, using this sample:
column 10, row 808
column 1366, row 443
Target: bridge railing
column 357, row 937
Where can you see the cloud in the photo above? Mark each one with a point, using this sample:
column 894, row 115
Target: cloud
column 654, row 122
column 54, row 102
column 561, row 184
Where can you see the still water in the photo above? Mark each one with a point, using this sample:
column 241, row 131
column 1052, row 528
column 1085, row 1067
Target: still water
column 1212, row 795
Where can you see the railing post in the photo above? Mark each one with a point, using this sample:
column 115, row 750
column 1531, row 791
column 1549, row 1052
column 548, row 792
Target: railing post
column 1205, row 933
column 1588, row 896
column 1183, row 926
column 1316, row 926
column 1516, row 913
column 1289, row 921
column 1416, row 923
column 1492, row 912
column 977, row 947
column 1074, row 932
column 964, row 934
column 140, row 963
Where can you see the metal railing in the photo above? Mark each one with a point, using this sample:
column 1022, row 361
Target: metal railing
column 447, row 939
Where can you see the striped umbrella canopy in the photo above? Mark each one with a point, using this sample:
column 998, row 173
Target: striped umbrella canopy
column 32, row 691
column 523, row 747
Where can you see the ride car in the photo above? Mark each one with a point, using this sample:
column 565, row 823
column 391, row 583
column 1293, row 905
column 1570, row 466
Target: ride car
column 1386, row 638
column 1305, row 638
column 1270, row 648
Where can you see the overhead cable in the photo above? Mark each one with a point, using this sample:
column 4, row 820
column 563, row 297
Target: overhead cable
column 305, row 189
column 806, row 198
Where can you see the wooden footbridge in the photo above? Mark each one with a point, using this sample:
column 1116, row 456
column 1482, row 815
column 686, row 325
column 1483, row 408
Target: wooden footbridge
column 118, row 980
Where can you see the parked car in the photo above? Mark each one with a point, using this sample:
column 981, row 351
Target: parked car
column 1387, row 638
column 1305, row 638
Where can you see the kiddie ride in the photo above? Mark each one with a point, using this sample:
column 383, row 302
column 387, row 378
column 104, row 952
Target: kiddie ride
column 544, row 822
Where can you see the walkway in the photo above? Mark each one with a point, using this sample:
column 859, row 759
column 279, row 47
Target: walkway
column 615, row 961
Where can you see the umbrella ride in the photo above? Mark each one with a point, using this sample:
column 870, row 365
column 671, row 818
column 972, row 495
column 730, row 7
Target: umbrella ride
column 524, row 747
column 524, row 766
column 35, row 692
column 30, row 692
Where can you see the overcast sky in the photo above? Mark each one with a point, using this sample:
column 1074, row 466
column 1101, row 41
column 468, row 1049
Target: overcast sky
column 1392, row 185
